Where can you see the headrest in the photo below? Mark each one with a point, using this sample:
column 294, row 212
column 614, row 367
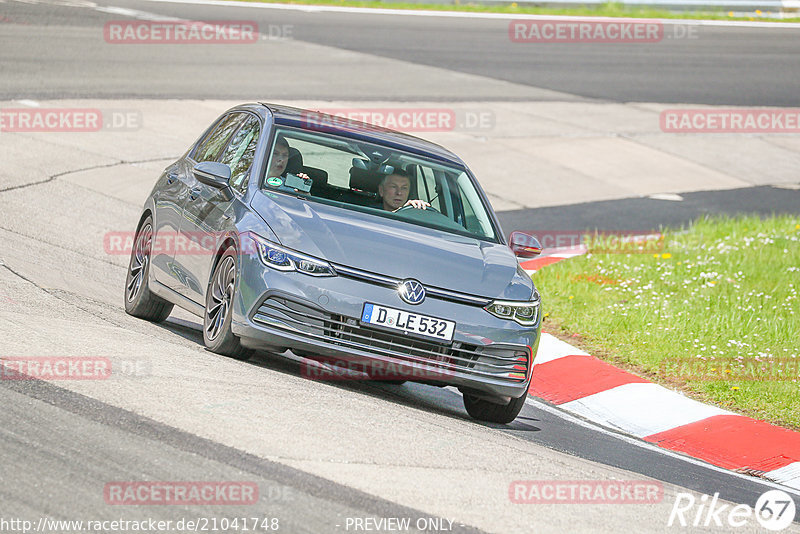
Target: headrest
column 295, row 163
column 364, row 180
column 319, row 176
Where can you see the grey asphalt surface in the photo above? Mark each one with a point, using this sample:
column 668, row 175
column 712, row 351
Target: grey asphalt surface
column 645, row 214
column 711, row 65
column 107, row 444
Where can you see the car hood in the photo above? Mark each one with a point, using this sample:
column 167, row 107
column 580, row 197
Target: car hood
column 394, row 248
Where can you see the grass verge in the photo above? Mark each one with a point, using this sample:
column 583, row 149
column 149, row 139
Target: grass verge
column 715, row 313
column 608, row 9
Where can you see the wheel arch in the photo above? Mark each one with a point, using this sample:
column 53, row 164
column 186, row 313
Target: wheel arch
column 226, row 243
column 146, row 213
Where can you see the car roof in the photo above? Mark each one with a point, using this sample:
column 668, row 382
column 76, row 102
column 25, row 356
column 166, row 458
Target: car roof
column 311, row 119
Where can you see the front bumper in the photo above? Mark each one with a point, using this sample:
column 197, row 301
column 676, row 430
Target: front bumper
column 320, row 318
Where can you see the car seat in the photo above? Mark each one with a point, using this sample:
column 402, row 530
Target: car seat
column 318, row 176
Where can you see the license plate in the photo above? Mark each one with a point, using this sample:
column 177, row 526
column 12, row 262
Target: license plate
column 411, row 323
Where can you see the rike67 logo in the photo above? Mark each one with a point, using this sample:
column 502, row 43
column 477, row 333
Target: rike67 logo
column 774, row 510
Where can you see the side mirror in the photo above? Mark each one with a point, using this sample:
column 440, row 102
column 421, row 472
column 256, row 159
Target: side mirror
column 524, row 245
column 212, row 173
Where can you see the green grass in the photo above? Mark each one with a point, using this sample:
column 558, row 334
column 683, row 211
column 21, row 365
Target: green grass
column 608, row 9
column 715, row 313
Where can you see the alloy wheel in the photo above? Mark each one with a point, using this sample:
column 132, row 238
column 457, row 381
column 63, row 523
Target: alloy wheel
column 139, row 260
column 219, row 303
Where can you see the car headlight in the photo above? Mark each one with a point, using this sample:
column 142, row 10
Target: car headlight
column 284, row 259
column 524, row 313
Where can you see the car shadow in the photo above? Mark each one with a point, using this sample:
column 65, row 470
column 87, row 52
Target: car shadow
column 445, row 401
column 188, row 330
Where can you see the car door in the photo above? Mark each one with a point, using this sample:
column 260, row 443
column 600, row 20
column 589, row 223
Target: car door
column 208, row 211
column 178, row 182
column 168, row 202
column 207, row 149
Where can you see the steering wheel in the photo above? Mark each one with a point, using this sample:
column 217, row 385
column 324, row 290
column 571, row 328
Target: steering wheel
column 410, row 207
column 429, row 215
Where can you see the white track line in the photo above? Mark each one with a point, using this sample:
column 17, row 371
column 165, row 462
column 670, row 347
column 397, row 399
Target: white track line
column 641, row 409
column 551, row 348
column 136, row 14
column 558, row 412
column 470, row 15
column 788, row 475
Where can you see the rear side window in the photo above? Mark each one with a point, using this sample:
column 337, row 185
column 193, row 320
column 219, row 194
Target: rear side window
column 239, row 153
column 210, row 147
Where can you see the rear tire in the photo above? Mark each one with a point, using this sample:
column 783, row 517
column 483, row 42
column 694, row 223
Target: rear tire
column 483, row 410
column 139, row 300
column 217, row 334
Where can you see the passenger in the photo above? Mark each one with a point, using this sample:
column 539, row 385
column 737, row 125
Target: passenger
column 280, row 158
column 394, row 190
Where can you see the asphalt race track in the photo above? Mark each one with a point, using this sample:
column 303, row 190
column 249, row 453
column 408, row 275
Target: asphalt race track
column 705, row 65
column 325, row 454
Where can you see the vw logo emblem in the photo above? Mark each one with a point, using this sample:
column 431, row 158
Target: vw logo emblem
column 411, row 291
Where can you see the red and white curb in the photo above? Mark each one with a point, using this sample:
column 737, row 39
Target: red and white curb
column 585, row 386
column 552, row 255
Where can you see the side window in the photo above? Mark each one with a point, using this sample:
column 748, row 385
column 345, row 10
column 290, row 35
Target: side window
column 239, row 153
column 426, row 187
column 477, row 221
column 209, row 148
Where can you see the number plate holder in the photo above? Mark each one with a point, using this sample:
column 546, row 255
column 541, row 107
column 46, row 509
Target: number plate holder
column 414, row 324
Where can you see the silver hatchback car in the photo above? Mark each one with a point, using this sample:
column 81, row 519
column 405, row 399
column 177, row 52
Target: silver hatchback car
column 368, row 252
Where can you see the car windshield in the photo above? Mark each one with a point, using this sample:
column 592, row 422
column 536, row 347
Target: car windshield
column 376, row 179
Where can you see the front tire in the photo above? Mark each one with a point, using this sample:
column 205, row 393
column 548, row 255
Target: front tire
column 139, row 300
column 483, row 410
column 217, row 334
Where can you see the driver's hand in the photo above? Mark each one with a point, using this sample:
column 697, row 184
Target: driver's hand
column 417, row 203
column 303, row 175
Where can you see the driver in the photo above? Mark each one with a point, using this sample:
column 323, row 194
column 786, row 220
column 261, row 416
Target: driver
column 394, row 190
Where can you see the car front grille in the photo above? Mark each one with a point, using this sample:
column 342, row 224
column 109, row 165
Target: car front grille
column 506, row 363
column 388, row 281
